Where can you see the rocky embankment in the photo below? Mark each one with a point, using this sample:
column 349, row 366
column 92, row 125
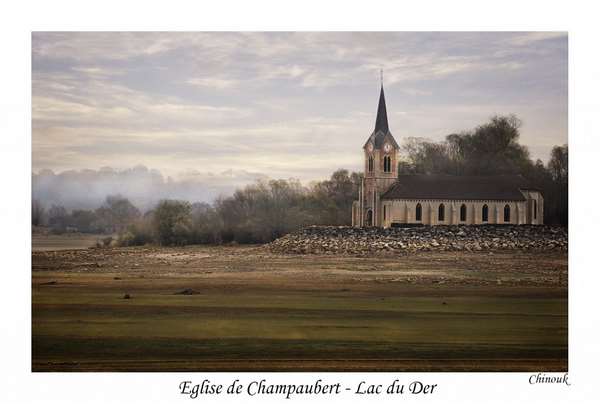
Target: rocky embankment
column 362, row 241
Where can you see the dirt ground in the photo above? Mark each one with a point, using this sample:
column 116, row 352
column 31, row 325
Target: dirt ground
column 50, row 242
column 226, row 308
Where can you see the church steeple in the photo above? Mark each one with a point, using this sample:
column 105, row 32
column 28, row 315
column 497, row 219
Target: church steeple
column 382, row 130
column 381, row 168
column 381, row 123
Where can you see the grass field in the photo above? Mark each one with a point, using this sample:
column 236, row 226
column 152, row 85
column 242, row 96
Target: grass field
column 247, row 309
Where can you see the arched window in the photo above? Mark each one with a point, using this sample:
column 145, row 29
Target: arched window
column 484, row 213
column 463, row 212
column 534, row 209
column 387, row 164
column 506, row 213
column 418, row 213
column 370, row 164
column 384, row 212
column 441, row 212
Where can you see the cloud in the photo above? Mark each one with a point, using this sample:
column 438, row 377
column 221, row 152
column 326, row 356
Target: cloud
column 86, row 46
column 100, row 103
column 213, row 82
column 283, row 103
column 98, row 72
column 529, row 38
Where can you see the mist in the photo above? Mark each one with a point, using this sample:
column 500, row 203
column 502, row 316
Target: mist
column 144, row 187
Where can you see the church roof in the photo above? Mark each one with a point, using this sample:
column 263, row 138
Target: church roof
column 381, row 123
column 382, row 129
column 439, row 186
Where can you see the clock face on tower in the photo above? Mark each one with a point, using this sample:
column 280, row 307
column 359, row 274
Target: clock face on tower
column 387, row 147
column 370, row 147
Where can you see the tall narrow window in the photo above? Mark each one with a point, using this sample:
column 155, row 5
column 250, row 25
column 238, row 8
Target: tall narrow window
column 441, row 212
column 534, row 209
column 384, row 212
column 484, row 213
column 370, row 164
column 506, row 213
column 463, row 212
column 418, row 213
column 387, row 164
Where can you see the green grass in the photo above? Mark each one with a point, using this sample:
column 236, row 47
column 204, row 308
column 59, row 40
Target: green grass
column 290, row 309
column 73, row 325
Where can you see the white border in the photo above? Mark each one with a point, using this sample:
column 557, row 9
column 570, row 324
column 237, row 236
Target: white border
column 17, row 21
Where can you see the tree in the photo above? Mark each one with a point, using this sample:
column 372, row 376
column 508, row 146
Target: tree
column 38, row 213
column 427, row 157
column 207, row 225
column 331, row 200
column 116, row 213
column 491, row 148
column 558, row 167
column 559, row 163
column 263, row 211
column 83, row 220
column 172, row 222
column 58, row 218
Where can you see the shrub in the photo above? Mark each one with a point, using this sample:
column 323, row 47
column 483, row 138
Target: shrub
column 138, row 233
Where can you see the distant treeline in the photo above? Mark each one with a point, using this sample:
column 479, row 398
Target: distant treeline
column 115, row 214
column 257, row 213
column 266, row 210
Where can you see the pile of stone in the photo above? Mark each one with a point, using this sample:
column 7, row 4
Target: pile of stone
column 366, row 241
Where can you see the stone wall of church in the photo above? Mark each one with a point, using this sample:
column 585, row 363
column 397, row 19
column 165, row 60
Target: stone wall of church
column 535, row 207
column 405, row 211
column 530, row 211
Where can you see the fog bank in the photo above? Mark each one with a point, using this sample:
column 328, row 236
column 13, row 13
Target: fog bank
column 144, row 187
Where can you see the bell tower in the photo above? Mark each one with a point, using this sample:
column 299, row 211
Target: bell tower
column 381, row 167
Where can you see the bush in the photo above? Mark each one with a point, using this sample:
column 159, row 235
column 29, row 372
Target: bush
column 138, row 233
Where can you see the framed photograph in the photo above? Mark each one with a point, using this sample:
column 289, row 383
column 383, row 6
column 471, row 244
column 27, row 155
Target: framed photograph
column 317, row 202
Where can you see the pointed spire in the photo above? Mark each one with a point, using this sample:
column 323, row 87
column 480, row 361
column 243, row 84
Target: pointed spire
column 381, row 123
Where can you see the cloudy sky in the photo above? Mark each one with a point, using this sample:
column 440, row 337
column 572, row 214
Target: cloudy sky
column 282, row 104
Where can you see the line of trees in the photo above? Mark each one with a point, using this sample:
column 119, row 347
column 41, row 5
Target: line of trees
column 113, row 216
column 258, row 213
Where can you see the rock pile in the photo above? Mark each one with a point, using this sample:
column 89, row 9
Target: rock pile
column 365, row 241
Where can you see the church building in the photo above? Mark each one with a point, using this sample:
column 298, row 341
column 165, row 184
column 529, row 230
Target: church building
column 387, row 199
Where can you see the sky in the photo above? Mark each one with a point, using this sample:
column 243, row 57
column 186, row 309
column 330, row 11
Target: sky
column 234, row 107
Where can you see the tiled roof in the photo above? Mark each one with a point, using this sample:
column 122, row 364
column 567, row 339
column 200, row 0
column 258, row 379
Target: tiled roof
column 423, row 186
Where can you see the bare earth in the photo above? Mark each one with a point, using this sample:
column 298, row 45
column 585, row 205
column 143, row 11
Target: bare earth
column 241, row 308
column 47, row 242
